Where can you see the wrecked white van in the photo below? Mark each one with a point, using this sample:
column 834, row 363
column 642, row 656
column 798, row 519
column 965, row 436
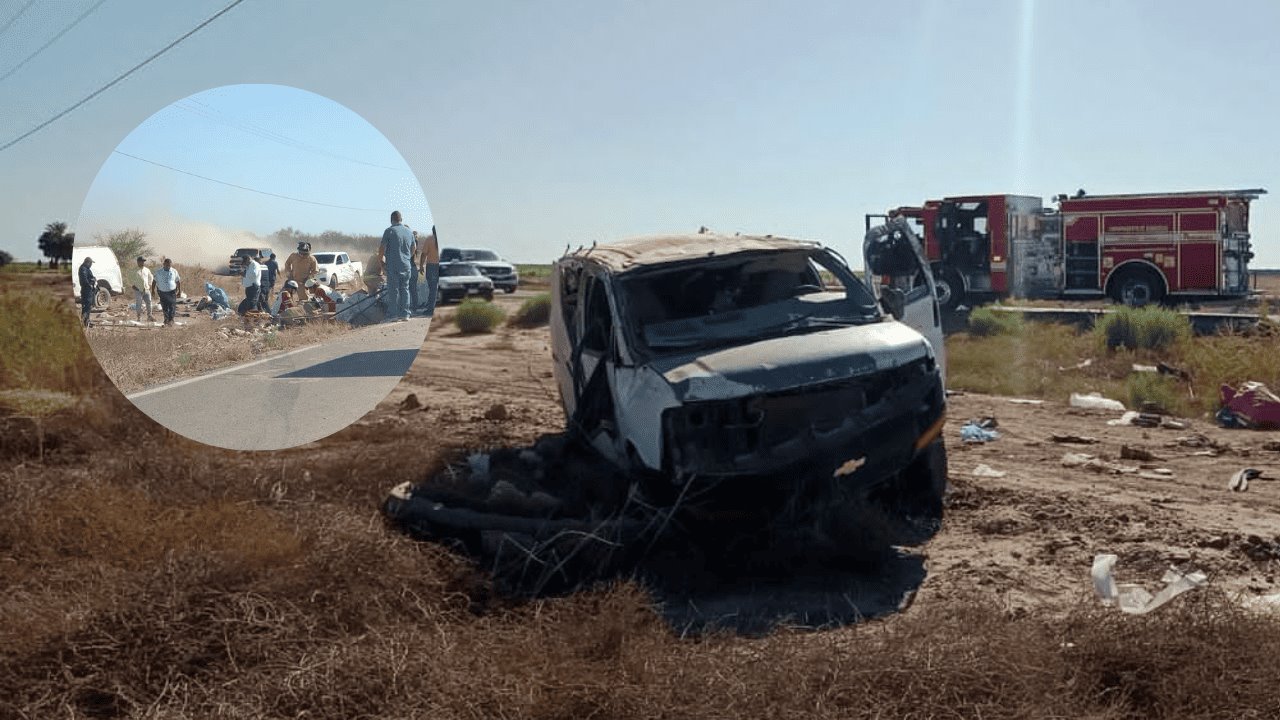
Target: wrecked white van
column 707, row 356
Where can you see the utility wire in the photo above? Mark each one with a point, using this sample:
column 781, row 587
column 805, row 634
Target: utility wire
column 52, row 40
column 122, row 76
column 252, row 129
column 14, row 19
column 242, row 187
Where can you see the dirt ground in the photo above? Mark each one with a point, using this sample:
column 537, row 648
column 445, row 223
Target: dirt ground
column 138, row 356
column 1028, row 538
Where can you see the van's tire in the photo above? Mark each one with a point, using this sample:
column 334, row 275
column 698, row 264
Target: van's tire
column 102, row 298
column 1135, row 287
column 949, row 286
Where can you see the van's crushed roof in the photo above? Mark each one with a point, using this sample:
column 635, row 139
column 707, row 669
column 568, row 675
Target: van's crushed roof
column 660, row 249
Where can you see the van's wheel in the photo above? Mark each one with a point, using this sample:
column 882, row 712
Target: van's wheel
column 949, row 286
column 102, row 298
column 1136, row 287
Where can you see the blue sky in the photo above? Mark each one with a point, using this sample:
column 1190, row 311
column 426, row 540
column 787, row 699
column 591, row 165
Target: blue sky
column 335, row 170
column 535, row 125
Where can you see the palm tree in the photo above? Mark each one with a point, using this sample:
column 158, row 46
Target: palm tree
column 54, row 243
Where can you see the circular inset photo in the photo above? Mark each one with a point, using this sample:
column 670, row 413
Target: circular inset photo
column 256, row 267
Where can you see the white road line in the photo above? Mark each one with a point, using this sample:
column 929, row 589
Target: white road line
column 215, row 373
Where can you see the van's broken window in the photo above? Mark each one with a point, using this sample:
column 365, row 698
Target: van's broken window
column 742, row 297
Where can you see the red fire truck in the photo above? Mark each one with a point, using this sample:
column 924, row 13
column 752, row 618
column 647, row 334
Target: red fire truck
column 1135, row 249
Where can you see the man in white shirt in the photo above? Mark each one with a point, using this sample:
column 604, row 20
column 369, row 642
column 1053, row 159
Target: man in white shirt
column 142, row 279
column 168, row 283
column 252, row 283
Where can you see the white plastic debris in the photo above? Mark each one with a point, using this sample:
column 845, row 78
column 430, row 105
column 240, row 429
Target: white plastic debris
column 1126, row 419
column 1239, row 482
column 1134, row 599
column 1095, row 401
column 1025, row 401
column 986, row 471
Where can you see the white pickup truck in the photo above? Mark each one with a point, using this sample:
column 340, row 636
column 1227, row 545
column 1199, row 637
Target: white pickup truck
column 336, row 268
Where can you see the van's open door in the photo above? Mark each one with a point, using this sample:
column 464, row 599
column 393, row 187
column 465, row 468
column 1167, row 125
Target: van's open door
column 898, row 275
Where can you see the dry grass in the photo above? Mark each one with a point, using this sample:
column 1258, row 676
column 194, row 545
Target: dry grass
column 135, row 358
column 43, row 346
column 178, row 580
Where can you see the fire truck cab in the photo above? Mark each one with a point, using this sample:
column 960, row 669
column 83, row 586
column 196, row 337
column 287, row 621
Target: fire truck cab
column 1135, row 249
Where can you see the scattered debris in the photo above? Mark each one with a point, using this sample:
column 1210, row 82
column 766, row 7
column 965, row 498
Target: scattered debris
column 1078, row 366
column 972, row 432
column 497, row 411
column 1134, row 599
column 1167, row 369
column 1239, row 482
column 1129, row 452
column 986, row 471
column 1145, row 368
column 1074, row 439
column 1096, row 464
column 1147, row 420
column 1156, row 473
column 410, row 402
column 1252, row 406
column 1024, row 401
column 1095, row 401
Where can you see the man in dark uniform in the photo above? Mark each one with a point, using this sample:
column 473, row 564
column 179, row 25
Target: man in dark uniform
column 88, row 288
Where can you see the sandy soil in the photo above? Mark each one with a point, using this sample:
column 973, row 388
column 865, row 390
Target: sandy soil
column 1028, row 537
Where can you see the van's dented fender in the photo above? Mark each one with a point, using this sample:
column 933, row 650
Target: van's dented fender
column 643, row 395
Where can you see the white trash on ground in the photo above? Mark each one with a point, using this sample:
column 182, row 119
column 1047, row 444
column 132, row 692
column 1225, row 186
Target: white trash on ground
column 1134, row 599
column 1095, row 401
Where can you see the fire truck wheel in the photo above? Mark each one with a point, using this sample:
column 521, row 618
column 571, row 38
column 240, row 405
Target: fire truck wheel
column 1136, row 288
column 949, row 286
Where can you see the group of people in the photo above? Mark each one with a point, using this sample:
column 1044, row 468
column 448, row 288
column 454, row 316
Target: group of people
column 402, row 255
column 165, row 283
column 404, row 258
column 301, row 285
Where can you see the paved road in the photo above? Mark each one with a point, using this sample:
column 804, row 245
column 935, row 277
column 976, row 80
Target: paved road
column 292, row 398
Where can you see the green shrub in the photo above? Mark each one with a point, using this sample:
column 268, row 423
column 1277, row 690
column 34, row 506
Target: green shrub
column 1160, row 390
column 1144, row 328
column 533, row 312
column 985, row 322
column 478, row 316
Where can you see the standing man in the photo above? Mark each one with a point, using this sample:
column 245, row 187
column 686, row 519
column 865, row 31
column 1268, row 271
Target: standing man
column 252, row 283
column 413, row 274
column 429, row 261
column 88, row 288
column 269, row 272
column 167, row 284
column 142, row 280
column 396, row 251
column 301, row 266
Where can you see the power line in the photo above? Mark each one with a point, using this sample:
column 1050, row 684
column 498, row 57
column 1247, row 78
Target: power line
column 52, row 40
column 14, row 19
column 252, row 129
column 122, row 76
column 242, row 187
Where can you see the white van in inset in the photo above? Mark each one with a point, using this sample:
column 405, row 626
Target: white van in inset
column 105, row 269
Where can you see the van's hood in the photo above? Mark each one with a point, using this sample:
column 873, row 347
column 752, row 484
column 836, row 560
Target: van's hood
column 792, row 361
